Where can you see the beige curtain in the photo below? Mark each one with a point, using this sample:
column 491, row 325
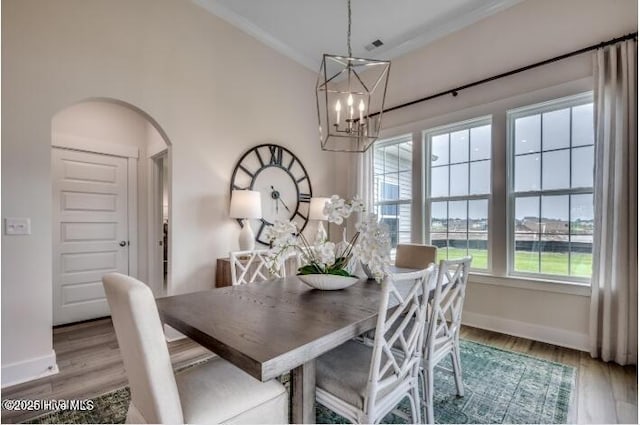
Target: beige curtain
column 614, row 296
column 364, row 185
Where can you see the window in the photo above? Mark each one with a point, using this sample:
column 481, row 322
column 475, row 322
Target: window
column 517, row 196
column 392, row 186
column 458, row 170
column 551, row 188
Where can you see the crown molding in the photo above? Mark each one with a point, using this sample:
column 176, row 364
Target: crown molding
column 426, row 36
column 244, row 24
column 446, row 27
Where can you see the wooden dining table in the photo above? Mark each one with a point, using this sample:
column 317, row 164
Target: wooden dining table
column 273, row 327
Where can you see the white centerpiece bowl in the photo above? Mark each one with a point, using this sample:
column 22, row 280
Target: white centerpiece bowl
column 328, row 282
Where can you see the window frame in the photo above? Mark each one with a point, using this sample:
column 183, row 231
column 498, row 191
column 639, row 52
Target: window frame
column 511, row 116
column 402, row 138
column 426, row 136
column 496, row 109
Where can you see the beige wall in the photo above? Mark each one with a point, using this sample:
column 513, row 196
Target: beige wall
column 101, row 122
column 531, row 31
column 215, row 92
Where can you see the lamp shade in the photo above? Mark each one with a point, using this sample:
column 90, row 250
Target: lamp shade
column 316, row 208
column 245, row 204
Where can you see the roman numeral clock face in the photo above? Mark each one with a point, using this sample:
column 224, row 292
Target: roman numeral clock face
column 283, row 182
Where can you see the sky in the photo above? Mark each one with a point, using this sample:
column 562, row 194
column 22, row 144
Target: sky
column 551, row 151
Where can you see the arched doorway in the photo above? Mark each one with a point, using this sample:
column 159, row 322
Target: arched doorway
column 111, row 199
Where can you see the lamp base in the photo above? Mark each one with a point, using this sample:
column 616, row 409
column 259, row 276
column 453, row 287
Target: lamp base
column 246, row 239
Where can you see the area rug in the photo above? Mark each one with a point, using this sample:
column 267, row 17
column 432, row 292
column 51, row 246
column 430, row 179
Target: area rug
column 500, row 387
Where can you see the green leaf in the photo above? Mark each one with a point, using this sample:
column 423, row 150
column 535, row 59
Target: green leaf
column 341, row 262
column 310, row 269
column 338, row 272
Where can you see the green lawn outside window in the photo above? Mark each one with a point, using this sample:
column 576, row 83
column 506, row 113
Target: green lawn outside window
column 553, row 263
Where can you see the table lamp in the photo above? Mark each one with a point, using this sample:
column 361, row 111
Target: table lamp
column 245, row 205
column 316, row 212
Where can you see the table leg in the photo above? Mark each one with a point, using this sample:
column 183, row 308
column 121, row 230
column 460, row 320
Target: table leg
column 303, row 393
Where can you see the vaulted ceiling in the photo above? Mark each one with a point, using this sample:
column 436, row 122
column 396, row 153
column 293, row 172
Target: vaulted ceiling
column 305, row 29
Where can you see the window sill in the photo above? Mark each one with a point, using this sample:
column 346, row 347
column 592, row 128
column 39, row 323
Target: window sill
column 571, row 288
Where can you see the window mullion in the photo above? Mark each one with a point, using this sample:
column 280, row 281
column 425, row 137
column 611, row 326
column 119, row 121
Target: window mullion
column 460, row 198
column 554, row 192
column 393, row 202
column 570, row 185
column 539, row 234
column 541, row 190
column 468, row 181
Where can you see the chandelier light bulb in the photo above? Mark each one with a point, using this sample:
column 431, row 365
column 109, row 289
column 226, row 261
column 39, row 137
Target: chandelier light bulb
column 361, row 108
column 338, row 108
column 350, row 99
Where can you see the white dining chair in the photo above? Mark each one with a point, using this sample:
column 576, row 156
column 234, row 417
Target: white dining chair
column 415, row 256
column 214, row 392
column 443, row 327
column 408, row 256
column 252, row 266
column 364, row 383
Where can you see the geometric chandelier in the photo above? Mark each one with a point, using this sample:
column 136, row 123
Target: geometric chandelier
column 350, row 94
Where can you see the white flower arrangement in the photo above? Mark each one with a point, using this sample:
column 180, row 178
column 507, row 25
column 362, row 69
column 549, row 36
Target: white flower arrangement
column 371, row 244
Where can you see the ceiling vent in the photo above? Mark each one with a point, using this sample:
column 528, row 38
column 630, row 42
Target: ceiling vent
column 373, row 45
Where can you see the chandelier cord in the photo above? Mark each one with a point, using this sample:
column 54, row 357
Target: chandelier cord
column 349, row 28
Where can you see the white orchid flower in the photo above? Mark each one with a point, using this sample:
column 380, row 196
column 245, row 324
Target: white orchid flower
column 371, row 245
column 326, row 253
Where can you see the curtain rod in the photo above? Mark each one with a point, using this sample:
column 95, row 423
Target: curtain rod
column 454, row 92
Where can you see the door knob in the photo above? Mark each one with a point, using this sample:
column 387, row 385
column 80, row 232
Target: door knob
column 123, row 243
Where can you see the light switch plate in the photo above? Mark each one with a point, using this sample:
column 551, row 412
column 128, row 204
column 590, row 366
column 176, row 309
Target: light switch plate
column 17, row 226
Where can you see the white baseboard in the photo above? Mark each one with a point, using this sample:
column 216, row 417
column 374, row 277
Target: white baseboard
column 171, row 334
column 560, row 337
column 28, row 370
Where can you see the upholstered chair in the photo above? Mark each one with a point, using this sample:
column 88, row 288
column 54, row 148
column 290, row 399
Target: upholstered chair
column 213, row 392
column 415, row 256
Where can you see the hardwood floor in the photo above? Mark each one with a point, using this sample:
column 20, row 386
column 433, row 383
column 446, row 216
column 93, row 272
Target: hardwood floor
column 90, row 365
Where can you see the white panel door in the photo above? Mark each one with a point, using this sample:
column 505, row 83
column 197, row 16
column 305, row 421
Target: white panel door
column 89, row 231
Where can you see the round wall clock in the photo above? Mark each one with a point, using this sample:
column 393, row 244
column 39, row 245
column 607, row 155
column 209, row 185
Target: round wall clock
column 283, row 182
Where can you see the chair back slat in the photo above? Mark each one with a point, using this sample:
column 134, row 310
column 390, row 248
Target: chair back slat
column 401, row 318
column 398, row 335
column 252, row 266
